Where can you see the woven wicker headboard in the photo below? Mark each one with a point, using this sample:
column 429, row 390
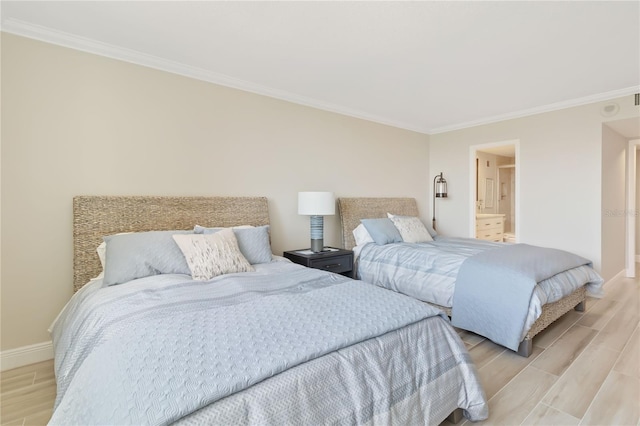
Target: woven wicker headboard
column 97, row 216
column 353, row 209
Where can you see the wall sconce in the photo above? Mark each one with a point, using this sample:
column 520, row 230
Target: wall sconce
column 317, row 205
column 439, row 191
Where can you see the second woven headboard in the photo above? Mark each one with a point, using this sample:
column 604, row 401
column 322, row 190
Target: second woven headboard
column 353, row 209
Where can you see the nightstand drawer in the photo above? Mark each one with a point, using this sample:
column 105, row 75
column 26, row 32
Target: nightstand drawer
column 337, row 264
column 332, row 260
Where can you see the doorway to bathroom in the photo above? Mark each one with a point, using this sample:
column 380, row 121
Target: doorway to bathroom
column 494, row 181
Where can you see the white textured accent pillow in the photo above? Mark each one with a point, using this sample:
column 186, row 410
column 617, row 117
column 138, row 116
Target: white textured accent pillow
column 210, row 255
column 411, row 229
column 432, row 231
column 361, row 235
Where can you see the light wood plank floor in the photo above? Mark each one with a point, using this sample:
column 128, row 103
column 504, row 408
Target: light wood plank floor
column 584, row 370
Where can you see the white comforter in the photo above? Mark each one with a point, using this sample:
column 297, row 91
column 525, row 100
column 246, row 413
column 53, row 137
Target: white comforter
column 282, row 345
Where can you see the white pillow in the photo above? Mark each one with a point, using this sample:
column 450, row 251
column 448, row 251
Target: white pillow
column 411, row 229
column 102, row 250
column 210, row 255
column 361, row 235
column 432, row 232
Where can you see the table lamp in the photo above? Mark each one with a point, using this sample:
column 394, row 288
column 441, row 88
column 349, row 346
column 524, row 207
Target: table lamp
column 317, row 205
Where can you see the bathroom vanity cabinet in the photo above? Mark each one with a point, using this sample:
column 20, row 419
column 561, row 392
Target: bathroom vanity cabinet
column 490, row 227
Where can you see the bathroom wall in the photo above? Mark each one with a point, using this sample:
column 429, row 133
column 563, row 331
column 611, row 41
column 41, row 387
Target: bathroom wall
column 487, row 169
column 506, row 195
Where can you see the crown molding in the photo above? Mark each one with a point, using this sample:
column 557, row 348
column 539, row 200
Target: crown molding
column 60, row 38
column 48, row 35
column 539, row 110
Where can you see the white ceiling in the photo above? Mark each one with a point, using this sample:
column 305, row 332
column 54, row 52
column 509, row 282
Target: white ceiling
column 424, row 66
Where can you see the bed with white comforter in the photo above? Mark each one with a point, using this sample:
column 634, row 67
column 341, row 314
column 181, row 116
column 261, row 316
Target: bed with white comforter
column 281, row 345
column 192, row 320
column 505, row 292
column 429, row 271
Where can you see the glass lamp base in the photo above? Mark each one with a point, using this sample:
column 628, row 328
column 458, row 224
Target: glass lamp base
column 317, row 233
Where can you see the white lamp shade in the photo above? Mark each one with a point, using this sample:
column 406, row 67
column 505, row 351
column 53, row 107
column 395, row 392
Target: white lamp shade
column 316, row 203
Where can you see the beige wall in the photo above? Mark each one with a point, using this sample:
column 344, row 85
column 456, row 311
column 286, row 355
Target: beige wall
column 614, row 148
column 75, row 123
column 561, row 171
column 636, row 211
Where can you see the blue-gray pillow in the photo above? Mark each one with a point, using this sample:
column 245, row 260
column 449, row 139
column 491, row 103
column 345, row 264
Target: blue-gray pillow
column 383, row 231
column 254, row 243
column 142, row 254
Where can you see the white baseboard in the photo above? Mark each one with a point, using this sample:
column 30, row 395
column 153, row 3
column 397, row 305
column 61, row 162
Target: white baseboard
column 25, row 355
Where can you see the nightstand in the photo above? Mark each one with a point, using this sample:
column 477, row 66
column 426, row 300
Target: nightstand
column 333, row 260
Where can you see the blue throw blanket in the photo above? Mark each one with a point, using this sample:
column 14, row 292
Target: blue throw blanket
column 493, row 288
column 158, row 349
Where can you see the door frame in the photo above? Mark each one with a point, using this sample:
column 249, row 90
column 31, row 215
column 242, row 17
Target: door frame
column 631, row 210
column 472, row 183
column 513, row 192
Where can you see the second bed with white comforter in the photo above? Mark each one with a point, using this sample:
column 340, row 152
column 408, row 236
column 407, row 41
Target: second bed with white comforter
column 428, row 272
